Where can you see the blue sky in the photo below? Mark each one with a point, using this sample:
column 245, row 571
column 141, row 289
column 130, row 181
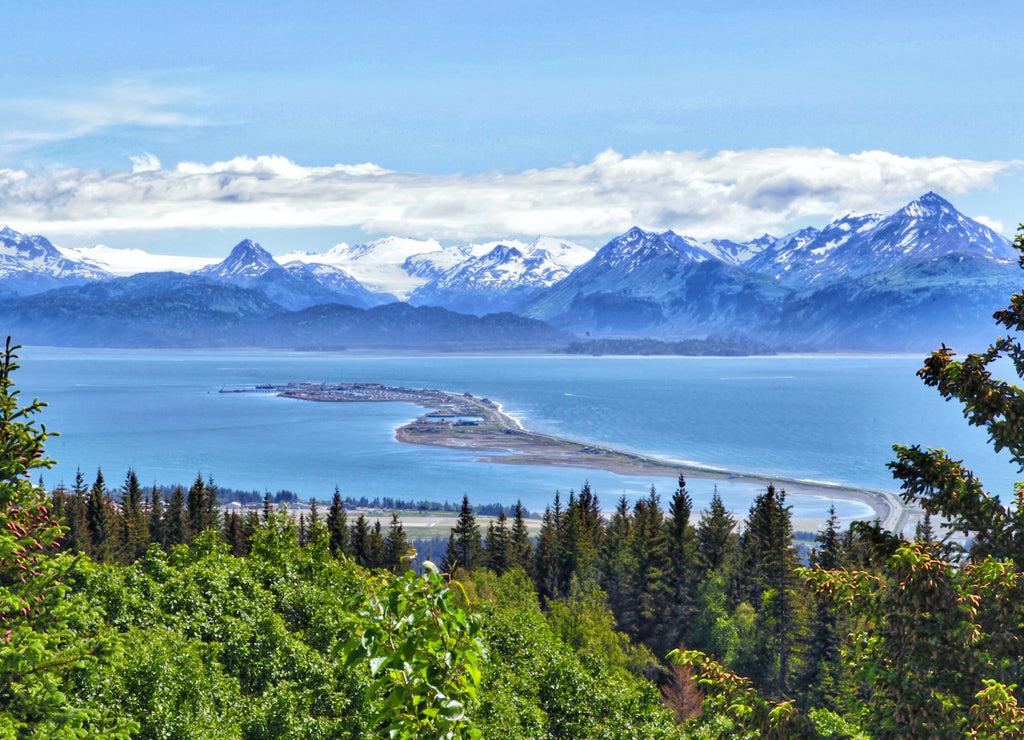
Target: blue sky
column 183, row 127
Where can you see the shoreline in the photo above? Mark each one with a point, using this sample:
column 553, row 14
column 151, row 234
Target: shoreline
column 532, row 448
column 462, row 421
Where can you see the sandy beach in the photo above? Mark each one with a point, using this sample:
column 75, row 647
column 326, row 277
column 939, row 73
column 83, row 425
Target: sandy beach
column 522, row 447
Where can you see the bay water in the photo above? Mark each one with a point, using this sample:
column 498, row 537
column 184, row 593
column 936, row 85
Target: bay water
column 819, row 418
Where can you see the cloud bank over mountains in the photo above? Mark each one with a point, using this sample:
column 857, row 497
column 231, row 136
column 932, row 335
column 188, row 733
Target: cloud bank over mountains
column 731, row 194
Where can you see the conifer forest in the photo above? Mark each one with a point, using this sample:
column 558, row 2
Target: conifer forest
column 151, row 613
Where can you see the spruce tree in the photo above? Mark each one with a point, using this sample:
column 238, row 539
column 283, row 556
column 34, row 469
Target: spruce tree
column 359, row 541
column 233, row 534
column 175, row 524
column 923, row 531
column 211, row 513
column 468, row 552
column 96, row 511
column 59, row 500
column 590, row 531
column 78, row 540
column 945, row 487
column 521, row 548
column 49, row 637
column 397, row 546
column 317, row 530
column 820, row 683
column 102, row 522
column 545, row 572
column 250, row 526
column 337, row 527
column 715, row 533
column 202, row 507
column 195, row 505
column 80, row 489
column 579, row 538
column 498, row 553
column 549, row 553
column 450, row 562
column 156, row 518
column 770, row 587
column 376, row 547
column 649, row 550
column 682, row 574
column 135, row 532
column 618, row 565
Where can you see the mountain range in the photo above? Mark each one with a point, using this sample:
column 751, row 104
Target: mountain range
column 910, row 280
column 903, row 281
column 294, row 285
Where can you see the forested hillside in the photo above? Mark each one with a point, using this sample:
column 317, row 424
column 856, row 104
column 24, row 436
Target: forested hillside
column 124, row 617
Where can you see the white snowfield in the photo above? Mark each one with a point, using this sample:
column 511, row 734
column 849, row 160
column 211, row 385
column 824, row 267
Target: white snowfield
column 124, row 262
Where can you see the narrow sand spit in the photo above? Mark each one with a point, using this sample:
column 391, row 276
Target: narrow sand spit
column 466, row 422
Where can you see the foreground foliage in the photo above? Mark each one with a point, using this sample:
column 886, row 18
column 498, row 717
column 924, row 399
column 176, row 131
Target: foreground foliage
column 424, row 653
column 45, row 630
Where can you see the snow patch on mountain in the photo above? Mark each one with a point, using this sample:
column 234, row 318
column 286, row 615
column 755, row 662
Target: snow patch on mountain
column 432, row 265
column 377, row 264
column 123, row 262
column 339, row 281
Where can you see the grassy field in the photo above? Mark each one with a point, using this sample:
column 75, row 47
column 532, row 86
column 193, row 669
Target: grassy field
column 416, row 523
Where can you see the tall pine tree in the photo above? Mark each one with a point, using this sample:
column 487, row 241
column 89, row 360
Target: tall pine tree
column 678, row 583
column 466, row 541
column 156, row 518
column 820, row 682
column 498, row 550
column 520, row 547
column 101, row 520
column 135, row 532
column 359, row 541
column 397, row 546
column 175, row 524
column 337, row 527
column 770, row 586
column 716, row 538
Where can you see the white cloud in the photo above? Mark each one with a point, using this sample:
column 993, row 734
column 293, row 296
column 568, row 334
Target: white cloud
column 736, row 194
column 146, row 163
column 29, row 122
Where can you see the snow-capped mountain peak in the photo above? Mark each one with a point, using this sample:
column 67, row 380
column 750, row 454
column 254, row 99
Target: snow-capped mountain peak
column 498, row 280
column 857, row 245
column 930, row 204
column 247, row 261
column 32, row 264
column 503, row 253
column 638, row 247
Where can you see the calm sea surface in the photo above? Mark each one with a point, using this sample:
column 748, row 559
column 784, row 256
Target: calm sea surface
column 817, row 418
